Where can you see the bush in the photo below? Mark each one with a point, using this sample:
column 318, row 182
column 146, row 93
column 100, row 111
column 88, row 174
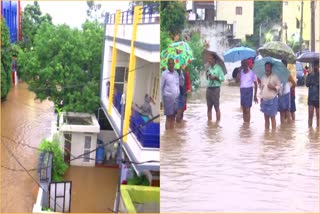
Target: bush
column 197, row 64
column 138, row 180
column 6, row 59
column 59, row 166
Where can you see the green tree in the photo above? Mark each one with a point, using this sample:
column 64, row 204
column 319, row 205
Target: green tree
column 197, row 65
column 59, row 166
column 6, row 60
column 165, row 40
column 64, row 66
column 173, row 17
column 31, row 20
column 94, row 12
column 265, row 13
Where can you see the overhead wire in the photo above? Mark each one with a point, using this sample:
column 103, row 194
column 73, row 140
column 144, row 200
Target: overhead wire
column 12, row 154
column 81, row 155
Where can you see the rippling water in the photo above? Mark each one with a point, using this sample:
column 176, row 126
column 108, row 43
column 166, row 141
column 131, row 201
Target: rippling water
column 233, row 167
column 23, row 120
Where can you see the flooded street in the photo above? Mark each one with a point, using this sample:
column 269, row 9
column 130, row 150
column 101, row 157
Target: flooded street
column 23, row 120
column 232, row 167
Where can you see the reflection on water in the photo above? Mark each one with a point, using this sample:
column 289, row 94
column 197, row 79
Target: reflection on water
column 23, row 120
column 235, row 167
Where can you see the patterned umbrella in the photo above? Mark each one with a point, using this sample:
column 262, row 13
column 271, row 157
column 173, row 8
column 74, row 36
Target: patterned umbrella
column 278, row 50
column 278, row 68
column 180, row 52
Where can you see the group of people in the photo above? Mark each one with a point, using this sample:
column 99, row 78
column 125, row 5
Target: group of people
column 175, row 85
column 274, row 95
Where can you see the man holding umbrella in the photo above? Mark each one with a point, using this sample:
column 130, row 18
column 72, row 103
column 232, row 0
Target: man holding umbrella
column 247, row 78
column 270, row 85
column 312, row 82
column 215, row 78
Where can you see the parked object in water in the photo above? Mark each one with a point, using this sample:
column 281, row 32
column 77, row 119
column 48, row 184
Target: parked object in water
column 300, row 76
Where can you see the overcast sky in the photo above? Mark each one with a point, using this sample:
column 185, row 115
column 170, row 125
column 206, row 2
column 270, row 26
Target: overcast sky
column 74, row 13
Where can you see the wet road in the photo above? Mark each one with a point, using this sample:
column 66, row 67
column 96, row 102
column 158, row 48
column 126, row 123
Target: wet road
column 23, row 120
column 232, row 167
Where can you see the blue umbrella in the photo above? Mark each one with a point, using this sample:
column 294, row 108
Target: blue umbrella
column 278, row 68
column 238, row 53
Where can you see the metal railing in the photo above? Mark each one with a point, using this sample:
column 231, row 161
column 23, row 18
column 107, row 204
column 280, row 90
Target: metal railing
column 149, row 14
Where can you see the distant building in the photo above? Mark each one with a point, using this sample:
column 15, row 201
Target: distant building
column 238, row 13
column 11, row 11
column 291, row 22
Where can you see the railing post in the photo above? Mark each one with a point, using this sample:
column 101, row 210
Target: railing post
column 151, row 14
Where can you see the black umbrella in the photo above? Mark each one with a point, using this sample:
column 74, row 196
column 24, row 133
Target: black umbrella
column 219, row 61
column 309, row 57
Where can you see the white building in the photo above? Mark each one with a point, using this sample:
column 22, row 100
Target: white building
column 131, row 65
column 78, row 132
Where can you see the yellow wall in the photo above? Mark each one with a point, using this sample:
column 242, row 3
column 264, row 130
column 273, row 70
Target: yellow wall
column 290, row 12
column 226, row 10
column 316, row 21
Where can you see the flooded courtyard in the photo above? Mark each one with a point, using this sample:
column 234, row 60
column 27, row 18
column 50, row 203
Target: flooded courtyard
column 25, row 121
column 233, row 167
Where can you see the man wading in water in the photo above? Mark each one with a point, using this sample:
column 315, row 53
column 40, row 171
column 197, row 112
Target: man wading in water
column 215, row 78
column 270, row 85
column 170, row 92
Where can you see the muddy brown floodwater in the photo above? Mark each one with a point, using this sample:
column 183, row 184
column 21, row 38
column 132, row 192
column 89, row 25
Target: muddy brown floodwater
column 23, row 120
column 232, row 167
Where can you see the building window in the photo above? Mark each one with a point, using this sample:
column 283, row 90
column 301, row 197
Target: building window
column 155, row 90
column 87, row 147
column 200, row 14
column 120, row 78
column 297, row 23
column 238, row 10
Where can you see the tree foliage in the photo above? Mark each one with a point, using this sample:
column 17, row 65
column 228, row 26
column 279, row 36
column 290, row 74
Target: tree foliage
column 266, row 13
column 64, row 65
column 165, row 40
column 173, row 17
column 31, row 20
column 94, row 12
column 6, row 60
column 59, row 166
column 197, row 65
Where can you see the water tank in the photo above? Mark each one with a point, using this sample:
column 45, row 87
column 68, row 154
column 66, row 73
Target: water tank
column 100, row 154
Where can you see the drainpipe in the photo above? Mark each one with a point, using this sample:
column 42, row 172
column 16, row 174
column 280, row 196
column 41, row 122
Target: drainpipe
column 301, row 27
column 119, row 154
column 312, row 26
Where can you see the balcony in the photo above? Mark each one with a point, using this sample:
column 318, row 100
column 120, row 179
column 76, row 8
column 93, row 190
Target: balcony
column 148, row 135
column 147, row 47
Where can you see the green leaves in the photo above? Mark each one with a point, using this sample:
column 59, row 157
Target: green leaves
column 6, row 59
column 266, row 13
column 68, row 59
column 173, row 17
column 197, row 65
column 31, row 20
column 59, row 167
